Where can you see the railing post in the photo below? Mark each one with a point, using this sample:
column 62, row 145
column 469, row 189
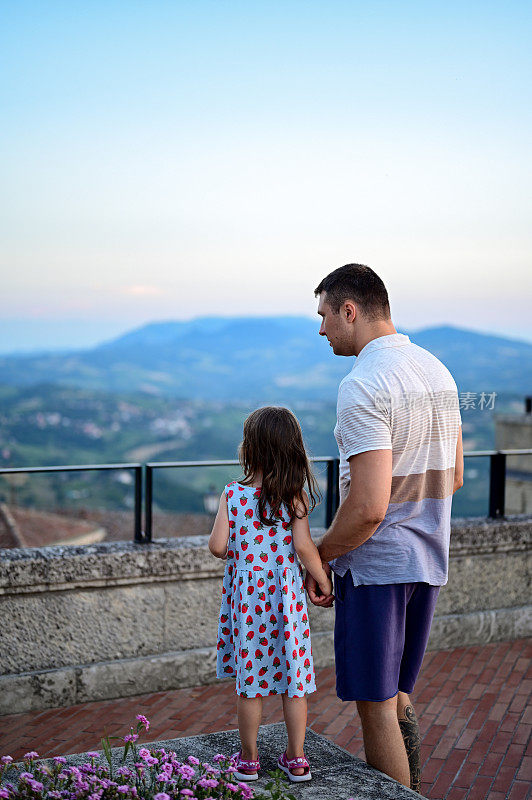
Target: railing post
column 336, row 494
column 148, row 495
column 497, row 485
column 329, row 513
column 138, row 504
column 332, row 491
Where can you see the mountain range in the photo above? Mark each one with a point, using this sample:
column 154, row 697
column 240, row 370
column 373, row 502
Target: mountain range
column 263, row 359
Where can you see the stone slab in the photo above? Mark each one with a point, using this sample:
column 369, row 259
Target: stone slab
column 177, row 670
column 336, row 774
column 59, row 568
column 486, row 581
column 480, row 627
column 146, row 675
column 78, row 627
column 34, row 691
column 191, row 613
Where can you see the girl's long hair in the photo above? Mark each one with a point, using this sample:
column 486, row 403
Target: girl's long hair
column 273, row 444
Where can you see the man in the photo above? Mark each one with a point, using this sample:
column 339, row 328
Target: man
column 401, row 460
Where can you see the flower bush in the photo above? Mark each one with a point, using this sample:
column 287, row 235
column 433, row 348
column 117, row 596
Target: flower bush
column 155, row 775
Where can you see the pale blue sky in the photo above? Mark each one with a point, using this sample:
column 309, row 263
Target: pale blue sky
column 169, row 160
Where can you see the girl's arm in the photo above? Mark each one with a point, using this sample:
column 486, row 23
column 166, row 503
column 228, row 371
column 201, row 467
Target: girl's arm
column 219, row 538
column 306, row 549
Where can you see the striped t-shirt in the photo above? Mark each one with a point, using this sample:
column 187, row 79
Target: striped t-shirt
column 400, row 397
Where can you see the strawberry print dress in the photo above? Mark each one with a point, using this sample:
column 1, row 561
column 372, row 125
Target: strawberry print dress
column 263, row 631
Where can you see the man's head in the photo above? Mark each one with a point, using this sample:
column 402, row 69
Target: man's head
column 354, row 306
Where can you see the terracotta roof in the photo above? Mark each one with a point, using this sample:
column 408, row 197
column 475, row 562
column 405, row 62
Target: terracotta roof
column 27, row 527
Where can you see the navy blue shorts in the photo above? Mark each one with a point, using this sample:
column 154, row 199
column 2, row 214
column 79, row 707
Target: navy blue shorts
column 380, row 636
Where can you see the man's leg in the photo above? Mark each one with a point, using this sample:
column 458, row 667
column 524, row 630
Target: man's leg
column 419, row 614
column 368, row 644
column 410, row 730
column 383, row 740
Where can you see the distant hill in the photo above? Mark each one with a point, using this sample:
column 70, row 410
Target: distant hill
column 262, row 359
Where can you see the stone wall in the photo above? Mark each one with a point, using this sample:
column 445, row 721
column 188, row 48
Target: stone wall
column 514, row 432
column 116, row 619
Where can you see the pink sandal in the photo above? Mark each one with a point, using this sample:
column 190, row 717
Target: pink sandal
column 245, row 770
column 287, row 765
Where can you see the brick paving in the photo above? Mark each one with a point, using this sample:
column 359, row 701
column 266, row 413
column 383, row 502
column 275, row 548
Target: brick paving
column 473, row 704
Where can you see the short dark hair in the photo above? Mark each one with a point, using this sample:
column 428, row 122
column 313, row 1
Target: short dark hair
column 359, row 283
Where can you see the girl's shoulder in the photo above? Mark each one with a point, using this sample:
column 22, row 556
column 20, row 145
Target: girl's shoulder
column 234, row 487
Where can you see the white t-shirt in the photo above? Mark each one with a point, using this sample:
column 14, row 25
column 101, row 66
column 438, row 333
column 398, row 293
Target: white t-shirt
column 400, row 397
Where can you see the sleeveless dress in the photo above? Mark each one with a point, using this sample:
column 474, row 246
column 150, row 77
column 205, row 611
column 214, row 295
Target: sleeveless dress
column 263, row 630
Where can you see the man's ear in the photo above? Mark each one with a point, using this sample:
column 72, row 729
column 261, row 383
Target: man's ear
column 349, row 311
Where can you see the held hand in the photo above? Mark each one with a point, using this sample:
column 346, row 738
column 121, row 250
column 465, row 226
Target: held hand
column 326, row 587
column 316, row 596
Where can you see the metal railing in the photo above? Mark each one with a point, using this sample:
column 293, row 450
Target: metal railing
column 497, row 476
column 497, row 482
column 331, row 497
column 137, row 531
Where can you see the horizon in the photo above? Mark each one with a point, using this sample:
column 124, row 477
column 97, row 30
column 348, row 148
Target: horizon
column 57, row 333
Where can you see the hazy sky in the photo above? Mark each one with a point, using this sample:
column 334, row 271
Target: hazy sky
column 178, row 159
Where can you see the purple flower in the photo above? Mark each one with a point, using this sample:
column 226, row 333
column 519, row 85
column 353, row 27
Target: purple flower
column 247, row 792
column 219, row 758
column 207, row 783
column 147, row 757
column 4, row 793
column 186, row 772
column 142, row 719
column 193, row 760
column 161, row 796
column 31, row 755
column 6, row 759
column 131, row 737
column 187, row 792
column 93, row 754
column 123, row 789
column 232, row 787
column 25, row 776
column 61, row 759
column 37, row 786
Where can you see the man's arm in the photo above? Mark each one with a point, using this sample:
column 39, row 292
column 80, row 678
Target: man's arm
column 365, row 506
column 459, row 463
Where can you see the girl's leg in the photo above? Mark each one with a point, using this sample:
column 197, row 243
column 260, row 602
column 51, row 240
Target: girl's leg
column 249, row 711
column 295, row 717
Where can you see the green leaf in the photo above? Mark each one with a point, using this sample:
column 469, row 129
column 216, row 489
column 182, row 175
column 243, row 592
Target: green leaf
column 126, row 748
column 107, row 752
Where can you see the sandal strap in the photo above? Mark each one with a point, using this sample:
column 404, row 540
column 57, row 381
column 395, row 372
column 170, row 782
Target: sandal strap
column 246, row 764
column 294, row 763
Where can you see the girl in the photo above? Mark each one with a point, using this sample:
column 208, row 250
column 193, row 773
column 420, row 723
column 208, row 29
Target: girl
column 263, row 631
